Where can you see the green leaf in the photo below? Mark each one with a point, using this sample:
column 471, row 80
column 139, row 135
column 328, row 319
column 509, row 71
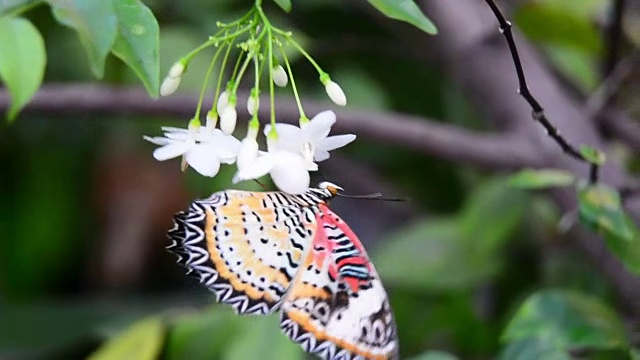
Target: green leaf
column 421, row 257
column 96, row 25
column 575, row 65
column 137, row 41
column 202, row 335
column 284, row 4
column 541, row 179
column 434, row 355
column 22, row 61
column 407, row 11
column 142, row 341
column 261, row 339
column 552, row 24
column 532, row 349
column 593, row 155
column 15, row 6
column 601, row 209
column 492, row 213
column 634, row 354
column 566, row 320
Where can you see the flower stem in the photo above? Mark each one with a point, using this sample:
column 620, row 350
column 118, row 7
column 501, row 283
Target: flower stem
column 289, row 38
column 243, row 68
column 206, row 81
column 221, row 74
column 293, row 83
column 214, row 40
column 271, row 86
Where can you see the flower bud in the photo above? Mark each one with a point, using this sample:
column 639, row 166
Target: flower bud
column 279, row 76
column 169, row 85
column 228, row 119
column 252, row 130
column 176, row 70
column 212, row 119
column 223, row 101
column 172, row 81
column 335, row 93
column 253, row 102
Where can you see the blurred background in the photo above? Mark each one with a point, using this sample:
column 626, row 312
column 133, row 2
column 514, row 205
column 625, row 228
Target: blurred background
column 84, row 207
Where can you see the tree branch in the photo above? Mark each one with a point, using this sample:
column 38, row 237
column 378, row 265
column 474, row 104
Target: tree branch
column 537, row 111
column 477, row 59
column 504, row 151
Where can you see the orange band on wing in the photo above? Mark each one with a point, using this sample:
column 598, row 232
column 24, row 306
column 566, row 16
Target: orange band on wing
column 305, row 321
column 271, row 275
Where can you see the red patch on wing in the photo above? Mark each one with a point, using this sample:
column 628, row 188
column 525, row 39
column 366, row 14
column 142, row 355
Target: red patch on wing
column 327, row 247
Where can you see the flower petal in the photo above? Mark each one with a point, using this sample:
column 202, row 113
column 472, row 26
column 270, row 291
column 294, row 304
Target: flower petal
column 225, row 146
column 171, row 150
column 260, row 167
column 318, row 128
column 321, row 155
column 334, row 142
column 158, row 140
column 290, row 174
column 290, row 137
column 203, row 162
column 248, row 152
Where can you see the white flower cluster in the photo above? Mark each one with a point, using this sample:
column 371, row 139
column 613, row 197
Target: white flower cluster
column 292, row 151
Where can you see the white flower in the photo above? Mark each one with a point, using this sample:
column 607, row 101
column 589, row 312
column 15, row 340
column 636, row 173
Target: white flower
column 228, row 118
column 212, row 119
column 223, row 101
column 335, row 93
column 203, row 148
column 311, row 140
column 169, row 85
column 253, row 103
column 288, row 170
column 248, row 148
column 279, row 76
column 172, row 81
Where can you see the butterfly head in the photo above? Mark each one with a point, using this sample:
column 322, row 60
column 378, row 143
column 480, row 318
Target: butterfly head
column 330, row 188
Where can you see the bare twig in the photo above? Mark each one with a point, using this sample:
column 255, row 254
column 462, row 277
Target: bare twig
column 474, row 60
column 537, row 110
column 491, row 150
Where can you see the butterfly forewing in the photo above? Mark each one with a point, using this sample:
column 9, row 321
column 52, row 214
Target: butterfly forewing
column 336, row 306
column 244, row 246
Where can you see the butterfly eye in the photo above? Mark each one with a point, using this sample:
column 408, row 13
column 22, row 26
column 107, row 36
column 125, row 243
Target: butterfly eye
column 331, row 187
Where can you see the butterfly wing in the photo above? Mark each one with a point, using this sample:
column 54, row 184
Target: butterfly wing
column 244, row 246
column 336, row 306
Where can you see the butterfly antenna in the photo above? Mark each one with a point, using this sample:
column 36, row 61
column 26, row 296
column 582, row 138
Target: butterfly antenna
column 374, row 196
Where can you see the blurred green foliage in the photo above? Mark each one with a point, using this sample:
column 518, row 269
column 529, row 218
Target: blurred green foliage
column 469, row 279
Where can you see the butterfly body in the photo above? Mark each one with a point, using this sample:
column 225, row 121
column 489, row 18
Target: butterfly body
column 263, row 252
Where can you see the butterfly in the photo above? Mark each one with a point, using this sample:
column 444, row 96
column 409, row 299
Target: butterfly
column 267, row 252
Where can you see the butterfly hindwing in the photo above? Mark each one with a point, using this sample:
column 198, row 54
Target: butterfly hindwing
column 336, row 306
column 244, row 246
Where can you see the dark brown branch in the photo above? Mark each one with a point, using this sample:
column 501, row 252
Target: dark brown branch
column 537, row 110
column 475, row 58
column 489, row 150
